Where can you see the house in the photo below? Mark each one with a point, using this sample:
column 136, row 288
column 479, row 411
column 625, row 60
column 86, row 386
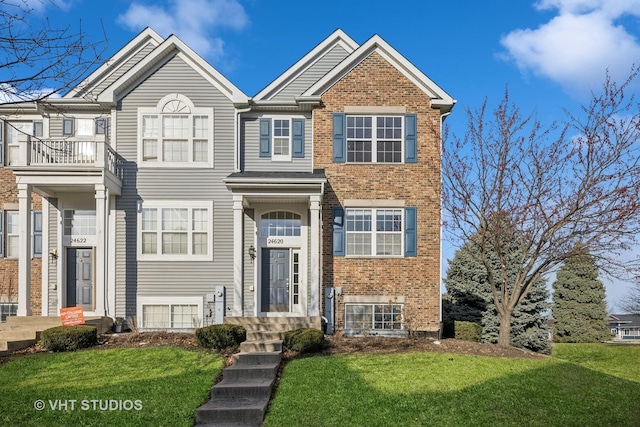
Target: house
column 624, row 326
column 157, row 190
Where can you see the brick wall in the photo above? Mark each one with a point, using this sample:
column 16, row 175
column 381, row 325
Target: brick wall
column 9, row 267
column 374, row 82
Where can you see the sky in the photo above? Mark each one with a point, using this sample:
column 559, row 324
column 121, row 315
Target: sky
column 549, row 53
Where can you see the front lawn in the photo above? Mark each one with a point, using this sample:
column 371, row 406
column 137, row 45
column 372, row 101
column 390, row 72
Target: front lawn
column 581, row 385
column 159, row 386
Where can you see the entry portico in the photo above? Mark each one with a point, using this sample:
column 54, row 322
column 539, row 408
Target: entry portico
column 277, row 220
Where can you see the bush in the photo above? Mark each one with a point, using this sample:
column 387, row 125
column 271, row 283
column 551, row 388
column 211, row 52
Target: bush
column 305, row 340
column 69, row 338
column 467, row 331
column 220, row 336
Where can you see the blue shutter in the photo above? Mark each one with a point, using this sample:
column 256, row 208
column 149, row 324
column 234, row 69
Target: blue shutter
column 410, row 231
column 1, row 143
column 37, row 234
column 1, row 233
column 410, row 138
column 338, row 231
column 265, row 137
column 298, row 138
column 67, row 127
column 339, row 137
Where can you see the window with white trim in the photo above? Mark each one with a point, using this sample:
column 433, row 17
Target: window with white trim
column 375, row 232
column 79, row 222
column 373, row 316
column 375, row 139
column 7, row 309
column 17, row 133
column 13, row 234
column 176, row 133
column 176, row 231
column 173, row 312
column 281, row 139
column 280, row 223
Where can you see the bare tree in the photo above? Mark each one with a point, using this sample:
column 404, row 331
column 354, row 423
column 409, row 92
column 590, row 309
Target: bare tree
column 577, row 180
column 631, row 301
column 38, row 60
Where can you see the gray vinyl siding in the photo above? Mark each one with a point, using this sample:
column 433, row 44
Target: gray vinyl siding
column 55, row 124
column 312, row 74
column 173, row 278
column 55, row 127
column 250, row 146
column 249, row 266
column 126, row 66
column 52, row 280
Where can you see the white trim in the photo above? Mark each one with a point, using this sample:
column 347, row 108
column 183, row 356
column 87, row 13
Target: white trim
column 169, row 301
column 45, row 259
column 281, row 157
column 373, row 232
column 374, row 110
column 184, row 204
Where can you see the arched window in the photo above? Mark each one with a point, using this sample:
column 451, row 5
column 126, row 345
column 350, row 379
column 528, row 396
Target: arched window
column 176, row 132
column 280, row 223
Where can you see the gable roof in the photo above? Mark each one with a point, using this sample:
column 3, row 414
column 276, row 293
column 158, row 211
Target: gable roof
column 337, row 38
column 147, row 37
column 625, row 319
column 439, row 98
column 169, row 47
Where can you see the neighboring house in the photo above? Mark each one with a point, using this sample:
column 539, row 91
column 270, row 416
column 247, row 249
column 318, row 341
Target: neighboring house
column 160, row 191
column 625, row 326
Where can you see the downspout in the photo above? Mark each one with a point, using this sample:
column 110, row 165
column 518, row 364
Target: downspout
column 442, row 117
column 236, row 125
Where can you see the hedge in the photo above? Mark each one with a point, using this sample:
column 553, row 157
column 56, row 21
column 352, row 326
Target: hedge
column 69, row 338
column 220, row 336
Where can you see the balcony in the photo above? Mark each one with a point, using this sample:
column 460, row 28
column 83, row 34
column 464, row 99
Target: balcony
column 63, row 165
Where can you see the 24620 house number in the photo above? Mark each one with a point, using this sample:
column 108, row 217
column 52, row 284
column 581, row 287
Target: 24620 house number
column 78, row 240
column 275, row 241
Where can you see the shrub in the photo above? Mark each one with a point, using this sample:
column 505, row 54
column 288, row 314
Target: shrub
column 220, row 336
column 467, row 331
column 69, row 338
column 305, row 340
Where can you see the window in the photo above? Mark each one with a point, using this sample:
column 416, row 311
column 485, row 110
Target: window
column 6, row 310
column 84, row 127
column 280, row 224
column 282, row 139
column 373, row 316
column 376, row 139
column 79, row 222
column 170, row 312
column 13, row 234
column 176, row 232
column 176, row 133
column 374, row 232
column 17, row 132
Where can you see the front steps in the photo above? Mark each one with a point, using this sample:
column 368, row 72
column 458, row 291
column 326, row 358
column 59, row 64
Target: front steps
column 23, row 331
column 242, row 397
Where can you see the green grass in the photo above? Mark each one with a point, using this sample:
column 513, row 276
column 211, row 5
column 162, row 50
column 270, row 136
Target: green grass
column 581, row 385
column 168, row 383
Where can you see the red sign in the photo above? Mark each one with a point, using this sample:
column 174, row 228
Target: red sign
column 72, row 316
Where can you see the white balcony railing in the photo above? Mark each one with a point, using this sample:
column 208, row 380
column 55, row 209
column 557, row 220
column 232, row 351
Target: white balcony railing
column 64, row 153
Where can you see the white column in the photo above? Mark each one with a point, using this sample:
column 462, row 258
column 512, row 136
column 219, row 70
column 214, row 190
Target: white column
column 238, row 246
column 111, row 257
column 45, row 257
column 24, row 250
column 101, row 272
column 314, row 250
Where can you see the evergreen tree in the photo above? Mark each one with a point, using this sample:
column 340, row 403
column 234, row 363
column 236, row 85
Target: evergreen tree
column 469, row 297
column 579, row 305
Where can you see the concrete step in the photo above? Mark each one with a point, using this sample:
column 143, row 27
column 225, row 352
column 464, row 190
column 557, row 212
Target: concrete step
column 265, row 335
column 260, row 346
column 15, row 335
column 236, row 389
column 8, row 347
column 275, row 323
column 250, row 372
column 232, row 410
column 257, row 358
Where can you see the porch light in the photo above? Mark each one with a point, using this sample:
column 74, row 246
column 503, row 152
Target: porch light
column 252, row 253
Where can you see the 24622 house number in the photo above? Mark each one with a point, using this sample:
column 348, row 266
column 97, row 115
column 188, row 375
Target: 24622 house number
column 78, row 240
column 275, row 241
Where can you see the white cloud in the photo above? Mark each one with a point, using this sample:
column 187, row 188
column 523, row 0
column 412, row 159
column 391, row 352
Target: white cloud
column 194, row 21
column 579, row 44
